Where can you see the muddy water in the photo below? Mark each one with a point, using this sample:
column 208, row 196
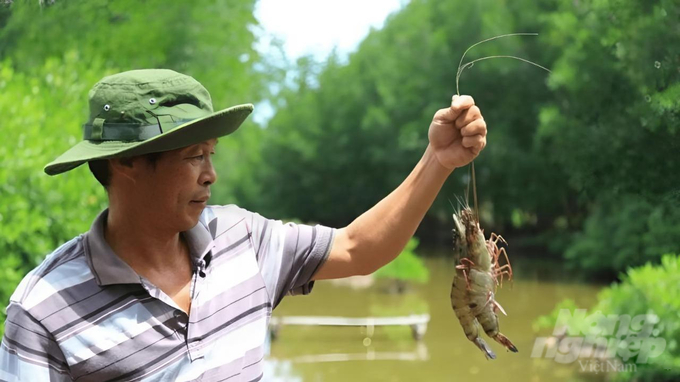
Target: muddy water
column 444, row 354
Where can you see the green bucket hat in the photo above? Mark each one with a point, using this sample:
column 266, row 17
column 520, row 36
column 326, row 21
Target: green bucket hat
column 146, row 111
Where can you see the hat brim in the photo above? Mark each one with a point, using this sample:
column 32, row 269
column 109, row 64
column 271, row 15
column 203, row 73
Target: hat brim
column 218, row 124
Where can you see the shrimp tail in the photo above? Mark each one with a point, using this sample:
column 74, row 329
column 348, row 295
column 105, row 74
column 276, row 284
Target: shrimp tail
column 485, row 348
column 503, row 340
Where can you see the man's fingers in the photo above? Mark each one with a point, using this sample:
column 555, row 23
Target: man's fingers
column 477, row 127
column 467, row 116
column 475, row 142
column 458, row 105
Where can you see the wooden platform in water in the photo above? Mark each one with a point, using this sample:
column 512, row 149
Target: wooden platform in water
column 417, row 323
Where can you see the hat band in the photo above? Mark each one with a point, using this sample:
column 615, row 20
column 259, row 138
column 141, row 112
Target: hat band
column 127, row 131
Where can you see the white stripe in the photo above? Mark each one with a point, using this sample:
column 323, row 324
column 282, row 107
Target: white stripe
column 229, row 347
column 27, row 283
column 13, row 367
column 7, row 377
column 111, row 332
column 229, row 273
column 271, row 268
column 82, row 326
column 170, row 371
column 65, row 275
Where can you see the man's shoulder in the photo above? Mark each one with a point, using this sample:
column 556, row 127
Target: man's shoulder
column 63, row 268
column 224, row 212
column 226, row 216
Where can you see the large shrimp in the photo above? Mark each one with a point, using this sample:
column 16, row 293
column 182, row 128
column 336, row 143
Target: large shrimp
column 476, row 278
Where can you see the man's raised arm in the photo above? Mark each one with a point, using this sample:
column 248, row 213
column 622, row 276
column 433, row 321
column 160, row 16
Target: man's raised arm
column 457, row 134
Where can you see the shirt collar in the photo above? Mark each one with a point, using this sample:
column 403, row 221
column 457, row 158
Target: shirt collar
column 108, row 268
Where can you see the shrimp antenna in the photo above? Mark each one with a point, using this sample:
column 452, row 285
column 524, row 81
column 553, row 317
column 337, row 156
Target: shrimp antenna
column 451, row 203
column 461, row 202
column 467, row 189
column 474, row 191
column 462, row 67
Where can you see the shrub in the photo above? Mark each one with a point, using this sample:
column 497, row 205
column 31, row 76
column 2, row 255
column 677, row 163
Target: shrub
column 649, row 291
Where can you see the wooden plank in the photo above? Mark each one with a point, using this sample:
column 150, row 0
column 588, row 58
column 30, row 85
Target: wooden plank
column 351, row 321
column 417, row 323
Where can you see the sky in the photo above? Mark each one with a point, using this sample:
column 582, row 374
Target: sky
column 316, row 26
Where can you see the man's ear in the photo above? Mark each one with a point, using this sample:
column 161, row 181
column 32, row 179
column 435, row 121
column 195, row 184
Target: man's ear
column 125, row 167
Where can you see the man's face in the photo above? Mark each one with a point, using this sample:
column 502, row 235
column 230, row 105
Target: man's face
column 176, row 191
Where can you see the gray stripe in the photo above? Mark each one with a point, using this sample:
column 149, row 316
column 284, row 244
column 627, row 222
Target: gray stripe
column 143, row 368
column 316, row 257
column 99, row 312
column 296, row 269
column 66, row 298
column 24, row 333
column 231, row 246
column 71, row 254
column 252, row 359
column 55, row 372
column 153, row 342
column 220, row 325
column 225, row 257
column 212, row 226
column 230, row 228
column 235, row 315
column 259, row 244
column 220, row 380
column 232, row 321
column 225, row 303
column 39, row 272
column 324, row 253
column 13, row 346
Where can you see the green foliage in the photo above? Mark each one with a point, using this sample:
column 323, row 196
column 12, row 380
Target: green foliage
column 41, row 114
column 406, row 267
column 615, row 128
column 624, row 232
column 616, row 125
column 645, row 290
column 208, row 39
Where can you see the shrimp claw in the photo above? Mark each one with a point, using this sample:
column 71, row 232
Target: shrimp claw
column 503, row 340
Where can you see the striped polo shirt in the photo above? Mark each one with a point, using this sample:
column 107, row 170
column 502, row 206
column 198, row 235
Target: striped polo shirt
column 83, row 314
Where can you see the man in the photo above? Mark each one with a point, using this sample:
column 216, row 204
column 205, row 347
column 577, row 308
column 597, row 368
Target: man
column 165, row 287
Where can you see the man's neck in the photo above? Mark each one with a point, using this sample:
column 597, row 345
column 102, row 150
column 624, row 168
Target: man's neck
column 144, row 245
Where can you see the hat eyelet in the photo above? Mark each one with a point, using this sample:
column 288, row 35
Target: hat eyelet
column 107, row 107
column 152, row 101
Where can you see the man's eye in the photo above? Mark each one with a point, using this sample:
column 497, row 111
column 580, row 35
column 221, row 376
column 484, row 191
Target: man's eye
column 199, row 157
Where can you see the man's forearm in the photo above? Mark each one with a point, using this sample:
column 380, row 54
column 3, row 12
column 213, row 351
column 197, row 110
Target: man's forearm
column 381, row 233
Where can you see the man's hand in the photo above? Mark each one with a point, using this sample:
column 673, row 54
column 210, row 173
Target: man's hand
column 457, row 134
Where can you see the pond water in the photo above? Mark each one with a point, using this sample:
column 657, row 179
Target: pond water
column 444, row 353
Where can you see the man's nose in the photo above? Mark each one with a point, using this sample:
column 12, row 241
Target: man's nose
column 209, row 175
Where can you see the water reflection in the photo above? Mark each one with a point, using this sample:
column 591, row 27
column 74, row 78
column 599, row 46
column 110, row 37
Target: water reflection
column 342, row 353
column 419, row 354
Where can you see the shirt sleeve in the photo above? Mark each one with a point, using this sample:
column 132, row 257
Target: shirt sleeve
column 28, row 351
column 289, row 254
